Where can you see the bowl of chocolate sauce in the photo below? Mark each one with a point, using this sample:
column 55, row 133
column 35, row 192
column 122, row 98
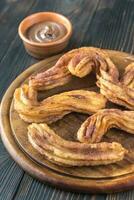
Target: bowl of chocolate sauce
column 45, row 33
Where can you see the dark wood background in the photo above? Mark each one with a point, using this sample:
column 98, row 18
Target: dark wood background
column 101, row 23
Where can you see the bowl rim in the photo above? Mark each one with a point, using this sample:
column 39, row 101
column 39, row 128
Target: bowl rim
column 63, row 39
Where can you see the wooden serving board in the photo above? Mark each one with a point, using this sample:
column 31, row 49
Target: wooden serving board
column 110, row 178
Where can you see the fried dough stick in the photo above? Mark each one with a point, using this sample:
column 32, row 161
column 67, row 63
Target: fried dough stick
column 80, row 62
column 93, row 129
column 68, row 153
column 55, row 107
column 119, row 92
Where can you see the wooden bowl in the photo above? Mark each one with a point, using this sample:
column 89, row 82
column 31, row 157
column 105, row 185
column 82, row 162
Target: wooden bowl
column 41, row 50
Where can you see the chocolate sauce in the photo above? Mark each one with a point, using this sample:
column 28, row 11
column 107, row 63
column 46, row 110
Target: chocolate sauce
column 47, row 31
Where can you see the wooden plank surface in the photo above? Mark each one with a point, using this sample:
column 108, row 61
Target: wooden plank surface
column 101, row 23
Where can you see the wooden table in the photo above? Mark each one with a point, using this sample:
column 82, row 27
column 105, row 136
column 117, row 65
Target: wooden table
column 101, row 23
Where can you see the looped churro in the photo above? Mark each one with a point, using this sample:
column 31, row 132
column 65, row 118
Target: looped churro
column 81, row 62
column 78, row 62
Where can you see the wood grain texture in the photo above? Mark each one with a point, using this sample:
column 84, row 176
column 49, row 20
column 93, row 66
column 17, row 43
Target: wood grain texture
column 68, row 126
column 30, row 189
column 8, row 168
column 90, row 179
column 111, row 26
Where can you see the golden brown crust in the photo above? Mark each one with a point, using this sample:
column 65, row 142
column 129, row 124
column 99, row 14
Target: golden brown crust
column 93, row 129
column 116, row 91
column 64, row 152
column 55, row 107
column 80, row 62
column 128, row 78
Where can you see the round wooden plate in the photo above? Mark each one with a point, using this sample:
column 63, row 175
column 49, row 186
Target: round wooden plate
column 110, row 178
